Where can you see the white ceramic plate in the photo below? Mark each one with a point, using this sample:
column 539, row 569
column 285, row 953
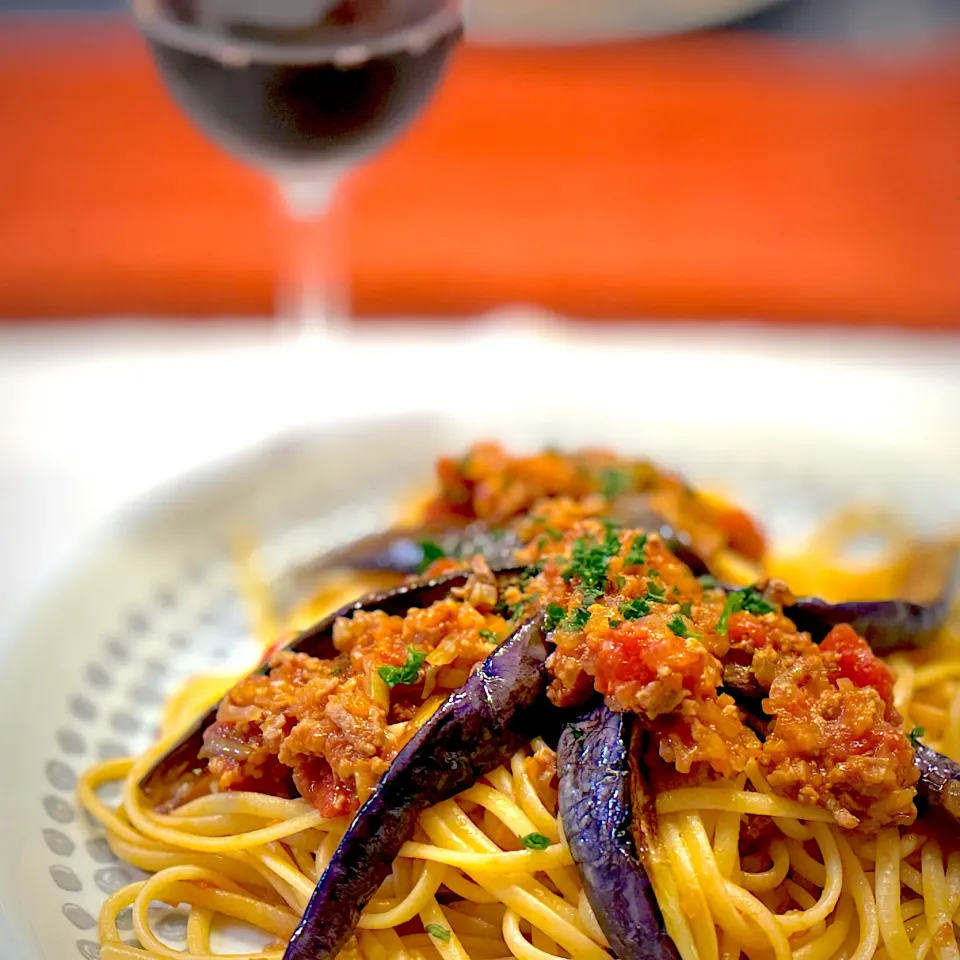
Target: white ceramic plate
column 153, row 599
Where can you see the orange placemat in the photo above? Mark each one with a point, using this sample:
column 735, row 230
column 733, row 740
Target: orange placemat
column 715, row 175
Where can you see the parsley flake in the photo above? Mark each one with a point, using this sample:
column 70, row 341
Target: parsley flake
column 637, row 555
column 656, row 593
column 589, row 562
column 577, row 734
column 749, row 599
column 613, row 482
column 408, row 673
column 432, row 551
column 686, row 608
column 577, row 620
column 708, row 582
column 635, row 609
column 513, row 610
column 535, row 841
column 915, row 734
column 679, row 627
column 488, row 635
column 555, row 613
column 438, row 932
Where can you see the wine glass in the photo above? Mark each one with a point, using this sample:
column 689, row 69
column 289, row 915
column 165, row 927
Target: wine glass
column 304, row 90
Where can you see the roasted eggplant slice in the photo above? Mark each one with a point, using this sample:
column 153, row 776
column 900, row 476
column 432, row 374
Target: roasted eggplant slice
column 410, row 550
column 406, row 551
column 887, row 625
column 596, row 812
column 502, row 705
column 632, row 510
column 181, row 763
column 939, row 785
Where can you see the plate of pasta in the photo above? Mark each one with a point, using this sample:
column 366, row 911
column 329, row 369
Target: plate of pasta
column 420, row 689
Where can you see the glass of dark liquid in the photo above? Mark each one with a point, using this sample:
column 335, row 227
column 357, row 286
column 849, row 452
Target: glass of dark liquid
column 304, row 90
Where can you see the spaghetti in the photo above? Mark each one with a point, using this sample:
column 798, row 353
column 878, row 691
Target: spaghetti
column 738, row 868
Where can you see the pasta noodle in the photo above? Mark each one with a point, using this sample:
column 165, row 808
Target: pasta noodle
column 256, row 859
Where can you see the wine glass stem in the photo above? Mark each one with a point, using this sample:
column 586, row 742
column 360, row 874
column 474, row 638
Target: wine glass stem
column 312, row 291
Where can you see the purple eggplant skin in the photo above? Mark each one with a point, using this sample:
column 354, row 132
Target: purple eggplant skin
column 887, row 625
column 182, row 761
column 939, row 784
column 405, row 551
column 502, row 705
column 596, row 812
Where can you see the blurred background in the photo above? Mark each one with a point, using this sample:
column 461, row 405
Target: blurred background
column 747, row 179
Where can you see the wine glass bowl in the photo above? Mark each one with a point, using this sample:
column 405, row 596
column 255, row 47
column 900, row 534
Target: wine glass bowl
column 287, row 86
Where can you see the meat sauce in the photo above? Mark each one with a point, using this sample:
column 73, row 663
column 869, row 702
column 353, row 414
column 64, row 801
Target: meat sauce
column 633, row 624
column 490, row 484
column 328, row 729
column 718, row 679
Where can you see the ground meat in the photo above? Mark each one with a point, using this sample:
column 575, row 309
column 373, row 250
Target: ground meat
column 706, row 734
column 490, row 484
column 321, row 728
column 838, row 745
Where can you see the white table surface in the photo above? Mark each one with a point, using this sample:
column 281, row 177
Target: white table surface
column 91, row 417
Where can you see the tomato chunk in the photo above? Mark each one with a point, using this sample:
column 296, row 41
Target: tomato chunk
column 857, row 662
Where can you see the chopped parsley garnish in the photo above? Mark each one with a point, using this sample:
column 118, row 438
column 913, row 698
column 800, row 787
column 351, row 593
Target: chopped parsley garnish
column 554, row 534
column 589, row 561
column 635, row 609
column 535, row 841
column 432, row 551
column 577, row 734
column 614, row 481
column 577, row 620
column 749, row 599
column 686, row 608
column 915, row 734
column 755, row 602
column 488, row 635
column 513, row 610
column 408, row 673
column 613, row 624
column 680, row 627
column 637, row 555
column 708, row 582
column 656, row 593
column 336, row 671
column 438, row 932
column 555, row 613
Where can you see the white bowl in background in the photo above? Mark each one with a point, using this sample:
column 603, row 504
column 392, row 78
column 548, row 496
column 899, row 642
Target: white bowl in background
column 549, row 22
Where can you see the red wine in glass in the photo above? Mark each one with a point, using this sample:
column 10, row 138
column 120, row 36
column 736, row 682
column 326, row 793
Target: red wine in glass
column 291, row 83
